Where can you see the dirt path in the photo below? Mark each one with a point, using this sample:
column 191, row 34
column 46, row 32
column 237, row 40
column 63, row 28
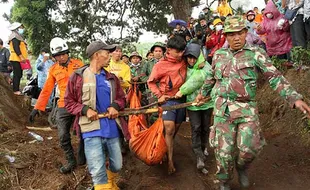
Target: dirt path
column 282, row 165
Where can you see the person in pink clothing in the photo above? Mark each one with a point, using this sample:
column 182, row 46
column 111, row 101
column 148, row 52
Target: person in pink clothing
column 276, row 27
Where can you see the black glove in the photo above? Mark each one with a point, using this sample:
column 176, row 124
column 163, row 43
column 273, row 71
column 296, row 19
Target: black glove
column 32, row 115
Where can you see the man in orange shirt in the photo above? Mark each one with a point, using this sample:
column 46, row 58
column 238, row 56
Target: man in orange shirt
column 59, row 73
column 258, row 16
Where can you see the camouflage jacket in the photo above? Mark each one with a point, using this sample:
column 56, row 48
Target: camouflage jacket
column 147, row 69
column 233, row 81
column 136, row 71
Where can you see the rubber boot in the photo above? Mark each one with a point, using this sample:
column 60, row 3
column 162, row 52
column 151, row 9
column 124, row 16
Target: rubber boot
column 243, row 177
column 112, row 179
column 71, row 163
column 103, row 187
column 200, row 163
column 224, row 186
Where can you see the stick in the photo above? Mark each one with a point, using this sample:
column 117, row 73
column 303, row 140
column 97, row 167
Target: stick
column 146, row 106
column 40, row 128
column 151, row 110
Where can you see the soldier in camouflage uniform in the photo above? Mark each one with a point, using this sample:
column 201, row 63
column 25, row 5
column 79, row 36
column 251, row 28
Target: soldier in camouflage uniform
column 236, row 135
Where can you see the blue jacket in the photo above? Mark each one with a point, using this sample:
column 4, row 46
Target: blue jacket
column 42, row 69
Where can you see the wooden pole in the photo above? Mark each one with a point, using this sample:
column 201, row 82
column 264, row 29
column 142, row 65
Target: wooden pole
column 153, row 110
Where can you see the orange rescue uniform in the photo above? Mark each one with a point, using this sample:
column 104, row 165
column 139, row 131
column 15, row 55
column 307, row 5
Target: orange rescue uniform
column 59, row 74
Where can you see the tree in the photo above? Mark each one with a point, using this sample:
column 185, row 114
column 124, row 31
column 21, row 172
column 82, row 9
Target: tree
column 81, row 21
column 34, row 15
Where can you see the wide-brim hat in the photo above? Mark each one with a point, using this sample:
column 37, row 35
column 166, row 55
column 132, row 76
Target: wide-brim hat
column 15, row 25
column 133, row 54
column 159, row 44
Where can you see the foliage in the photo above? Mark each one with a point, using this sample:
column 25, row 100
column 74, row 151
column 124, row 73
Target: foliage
column 300, row 57
column 278, row 63
column 79, row 22
column 34, row 14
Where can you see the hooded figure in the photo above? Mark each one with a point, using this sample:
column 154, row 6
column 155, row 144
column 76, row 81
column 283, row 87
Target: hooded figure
column 250, row 23
column 276, row 28
column 199, row 116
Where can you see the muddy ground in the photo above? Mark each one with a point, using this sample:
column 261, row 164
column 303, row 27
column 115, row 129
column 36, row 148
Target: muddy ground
column 284, row 164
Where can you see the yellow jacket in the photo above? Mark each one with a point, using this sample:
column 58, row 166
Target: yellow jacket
column 122, row 71
column 224, row 10
column 23, row 50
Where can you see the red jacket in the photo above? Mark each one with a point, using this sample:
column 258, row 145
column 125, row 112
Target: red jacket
column 215, row 42
column 73, row 98
column 170, row 74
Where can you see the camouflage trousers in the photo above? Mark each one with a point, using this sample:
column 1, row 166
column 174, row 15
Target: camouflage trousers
column 235, row 141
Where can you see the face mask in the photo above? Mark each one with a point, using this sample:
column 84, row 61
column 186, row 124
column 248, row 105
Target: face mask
column 218, row 27
column 21, row 31
column 211, row 27
column 269, row 15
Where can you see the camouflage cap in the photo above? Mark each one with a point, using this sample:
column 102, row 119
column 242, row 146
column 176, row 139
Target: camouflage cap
column 135, row 54
column 158, row 44
column 234, row 24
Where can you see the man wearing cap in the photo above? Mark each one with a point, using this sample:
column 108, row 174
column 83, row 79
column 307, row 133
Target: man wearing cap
column 19, row 53
column 59, row 74
column 236, row 135
column 92, row 90
column 119, row 68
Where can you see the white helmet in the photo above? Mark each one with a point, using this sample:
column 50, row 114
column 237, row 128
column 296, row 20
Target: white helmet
column 58, row 45
column 15, row 25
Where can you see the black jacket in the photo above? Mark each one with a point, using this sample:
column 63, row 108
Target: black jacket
column 4, row 60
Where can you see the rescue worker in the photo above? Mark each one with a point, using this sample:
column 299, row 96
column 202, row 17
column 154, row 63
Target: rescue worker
column 92, row 90
column 119, row 68
column 59, row 73
column 19, row 54
column 236, row 135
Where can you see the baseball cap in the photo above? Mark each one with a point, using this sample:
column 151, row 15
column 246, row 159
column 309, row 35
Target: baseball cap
column 95, row 46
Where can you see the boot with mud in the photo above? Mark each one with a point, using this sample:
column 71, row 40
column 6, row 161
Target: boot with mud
column 71, row 163
column 112, row 177
column 224, row 186
column 243, row 177
column 200, row 163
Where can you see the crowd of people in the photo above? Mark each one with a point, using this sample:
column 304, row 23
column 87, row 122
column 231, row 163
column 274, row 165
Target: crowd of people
column 218, row 57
